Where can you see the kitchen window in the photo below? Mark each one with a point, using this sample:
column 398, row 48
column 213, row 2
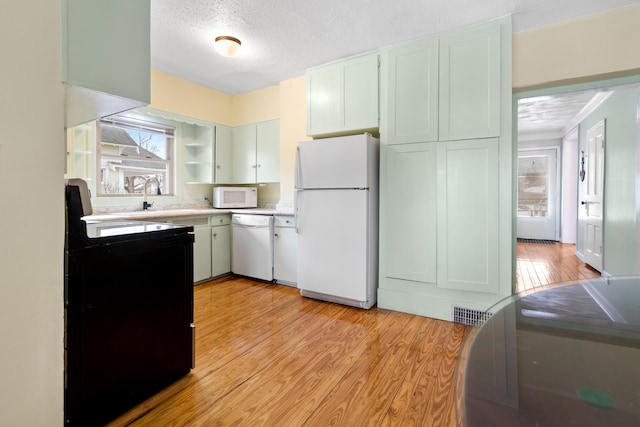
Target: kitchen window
column 133, row 156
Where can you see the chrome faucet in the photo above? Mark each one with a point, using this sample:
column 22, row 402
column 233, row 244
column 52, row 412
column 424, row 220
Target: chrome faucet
column 145, row 204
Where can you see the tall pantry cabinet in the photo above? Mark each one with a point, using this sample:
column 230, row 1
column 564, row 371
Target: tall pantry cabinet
column 446, row 159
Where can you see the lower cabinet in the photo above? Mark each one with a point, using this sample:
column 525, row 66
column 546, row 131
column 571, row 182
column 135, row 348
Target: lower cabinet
column 439, row 235
column 409, row 212
column 285, row 255
column 212, row 245
column 220, row 245
column 201, row 246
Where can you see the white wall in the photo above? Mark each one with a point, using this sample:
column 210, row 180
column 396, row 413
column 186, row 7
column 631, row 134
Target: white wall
column 570, row 164
column 32, row 158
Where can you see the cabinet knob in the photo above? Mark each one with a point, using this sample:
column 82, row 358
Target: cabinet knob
column 275, row 235
column 215, row 234
column 217, row 166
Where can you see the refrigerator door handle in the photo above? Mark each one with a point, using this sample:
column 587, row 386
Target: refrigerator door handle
column 298, row 175
column 296, row 206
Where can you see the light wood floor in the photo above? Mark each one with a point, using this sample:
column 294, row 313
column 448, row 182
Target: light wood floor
column 265, row 356
column 540, row 266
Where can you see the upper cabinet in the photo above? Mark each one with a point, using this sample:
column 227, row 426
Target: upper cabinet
column 207, row 154
column 244, row 154
column 223, row 148
column 198, row 153
column 470, row 81
column 256, row 152
column 445, row 88
column 342, row 97
column 106, row 57
column 410, row 93
column 268, row 151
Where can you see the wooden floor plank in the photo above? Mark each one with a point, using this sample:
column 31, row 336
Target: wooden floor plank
column 365, row 392
column 542, row 265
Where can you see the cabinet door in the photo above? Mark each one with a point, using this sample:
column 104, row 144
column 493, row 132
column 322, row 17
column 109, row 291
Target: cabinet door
column 244, row 154
column 361, row 93
column 223, row 156
column 470, row 84
column 285, row 256
column 342, row 97
column 324, row 99
column 268, row 151
column 468, row 221
column 220, row 250
column 409, row 238
column 202, row 253
column 410, row 93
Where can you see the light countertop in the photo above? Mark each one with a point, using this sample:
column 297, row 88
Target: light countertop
column 160, row 214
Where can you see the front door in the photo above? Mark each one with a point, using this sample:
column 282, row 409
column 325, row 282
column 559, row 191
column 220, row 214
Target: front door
column 594, row 163
column 537, row 207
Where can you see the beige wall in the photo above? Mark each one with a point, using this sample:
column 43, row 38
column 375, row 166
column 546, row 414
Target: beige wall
column 293, row 128
column 256, row 106
column 170, row 93
column 32, row 156
column 286, row 102
column 598, row 46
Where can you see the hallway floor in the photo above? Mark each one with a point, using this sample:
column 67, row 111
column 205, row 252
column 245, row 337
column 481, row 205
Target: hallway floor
column 541, row 266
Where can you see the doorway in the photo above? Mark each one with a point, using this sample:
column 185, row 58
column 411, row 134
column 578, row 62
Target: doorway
column 540, row 122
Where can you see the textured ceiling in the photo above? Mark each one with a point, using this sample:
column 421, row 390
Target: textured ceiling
column 554, row 115
column 281, row 38
column 550, row 114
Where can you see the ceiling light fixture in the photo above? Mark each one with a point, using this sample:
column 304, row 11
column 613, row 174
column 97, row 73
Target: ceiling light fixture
column 227, row 46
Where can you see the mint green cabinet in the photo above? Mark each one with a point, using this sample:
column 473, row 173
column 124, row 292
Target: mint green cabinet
column 468, row 215
column 207, row 154
column 244, row 154
column 220, row 245
column 201, row 245
column 408, row 212
column 223, row 156
column 342, row 97
column 198, row 143
column 470, row 84
column 410, row 93
column 446, row 233
column 446, row 88
column 268, row 151
column 440, row 214
column 256, row 152
column 105, row 57
column 285, row 250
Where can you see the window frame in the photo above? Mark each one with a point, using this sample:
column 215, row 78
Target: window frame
column 148, row 126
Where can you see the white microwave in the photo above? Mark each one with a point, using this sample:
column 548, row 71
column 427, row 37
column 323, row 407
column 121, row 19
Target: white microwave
column 235, row 197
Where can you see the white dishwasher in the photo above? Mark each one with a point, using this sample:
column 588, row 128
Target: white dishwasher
column 252, row 253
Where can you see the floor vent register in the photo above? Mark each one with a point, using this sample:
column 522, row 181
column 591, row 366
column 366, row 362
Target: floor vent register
column 470, row 317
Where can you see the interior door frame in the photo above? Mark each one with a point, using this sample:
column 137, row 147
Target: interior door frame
column 519, row 94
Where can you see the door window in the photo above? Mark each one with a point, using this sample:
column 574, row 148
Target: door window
column 533, row 186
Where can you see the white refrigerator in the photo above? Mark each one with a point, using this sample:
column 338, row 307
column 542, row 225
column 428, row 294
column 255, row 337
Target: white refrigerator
column 336, row 218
